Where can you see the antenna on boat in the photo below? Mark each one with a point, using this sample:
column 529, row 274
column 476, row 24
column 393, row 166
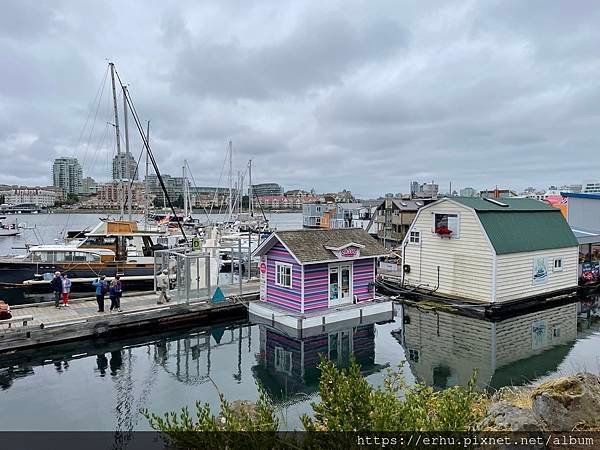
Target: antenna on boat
column 119, row 171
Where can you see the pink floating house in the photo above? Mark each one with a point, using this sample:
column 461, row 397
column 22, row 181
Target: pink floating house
column 313, row 277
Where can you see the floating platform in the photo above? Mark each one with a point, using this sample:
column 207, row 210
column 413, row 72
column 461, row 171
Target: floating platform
column 391, row 285
column 317, row 322
column 40, row 324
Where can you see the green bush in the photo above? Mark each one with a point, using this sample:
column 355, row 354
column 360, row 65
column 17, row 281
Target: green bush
column 347, row 403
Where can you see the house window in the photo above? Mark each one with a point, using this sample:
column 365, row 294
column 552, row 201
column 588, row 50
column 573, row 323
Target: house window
column 558, row 265
column 446, row 225
column 283, row 275
column 283, row 360
column 415, row 237
column 413, row 355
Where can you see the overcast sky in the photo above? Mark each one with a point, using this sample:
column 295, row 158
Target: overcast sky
column 364, row 95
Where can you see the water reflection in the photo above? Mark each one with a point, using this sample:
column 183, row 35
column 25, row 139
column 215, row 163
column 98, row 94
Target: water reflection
column 287, row 365
column 443, row 349
column 103, row 384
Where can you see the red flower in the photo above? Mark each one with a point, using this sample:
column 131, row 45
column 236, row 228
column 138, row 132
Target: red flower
column 443, row 231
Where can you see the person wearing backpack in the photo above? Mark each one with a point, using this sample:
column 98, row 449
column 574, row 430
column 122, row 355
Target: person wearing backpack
column 101, row 286
column 57, row 288
column 115, row 292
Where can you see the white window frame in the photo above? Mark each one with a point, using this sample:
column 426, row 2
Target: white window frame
column 278, row 280
column 455, row 234
column 557, row 269
column 416, row 239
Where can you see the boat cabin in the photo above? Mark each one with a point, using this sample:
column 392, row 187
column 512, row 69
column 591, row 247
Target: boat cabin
column 306, row 272
column 490, row 250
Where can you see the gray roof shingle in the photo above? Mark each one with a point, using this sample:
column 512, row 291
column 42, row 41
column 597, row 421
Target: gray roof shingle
column 308, row 246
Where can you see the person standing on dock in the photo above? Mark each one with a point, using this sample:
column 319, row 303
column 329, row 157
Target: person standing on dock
column 66, row 289
column 56, row 284
column 101, row 286
column 115, row 293
column 163, row 285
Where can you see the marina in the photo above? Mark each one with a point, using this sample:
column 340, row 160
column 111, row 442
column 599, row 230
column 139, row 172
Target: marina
column 474, row 309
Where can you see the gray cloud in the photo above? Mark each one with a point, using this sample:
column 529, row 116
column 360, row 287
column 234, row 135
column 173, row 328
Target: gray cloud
column 327, row 95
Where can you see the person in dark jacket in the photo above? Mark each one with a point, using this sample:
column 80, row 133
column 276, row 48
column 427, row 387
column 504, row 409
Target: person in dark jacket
column 101, row 286
column 57, row 288
column 115, row 292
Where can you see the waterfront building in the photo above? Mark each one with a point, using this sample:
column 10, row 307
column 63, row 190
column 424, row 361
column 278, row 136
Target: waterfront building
column 209, row 196
column 468, row 192
column 490, row 251
column 393, row 217
column 312, row 277
column 38, row 196
column 67, row 174
column 583, row 214
column 343, row 196
column 173, row 185
column 285, row 202
column 108, row 195
column 267, row 189
column 120, row 169
column 497, row 193
column 334, row 215
column 592, row 188
column 88, row 186
column 298, row 193
column 509, row 352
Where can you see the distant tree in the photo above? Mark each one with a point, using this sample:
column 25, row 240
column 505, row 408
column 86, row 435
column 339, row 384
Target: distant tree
column 2, row 199
column 72, row 198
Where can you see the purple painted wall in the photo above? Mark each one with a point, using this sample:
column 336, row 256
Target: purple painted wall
column 289, row 298
column 362, row 275
column 316, row 286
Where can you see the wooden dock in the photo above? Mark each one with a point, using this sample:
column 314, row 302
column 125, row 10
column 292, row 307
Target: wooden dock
column 42, row 324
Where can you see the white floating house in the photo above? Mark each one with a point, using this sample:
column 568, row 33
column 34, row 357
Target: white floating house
column 310, row 278
column 492, row 251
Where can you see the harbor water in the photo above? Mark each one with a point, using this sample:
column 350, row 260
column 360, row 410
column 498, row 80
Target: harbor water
column 103, row 384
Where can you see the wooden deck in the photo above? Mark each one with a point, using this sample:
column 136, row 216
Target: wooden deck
column 140, row 313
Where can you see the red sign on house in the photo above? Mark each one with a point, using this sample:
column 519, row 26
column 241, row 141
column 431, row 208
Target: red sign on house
column 349, row 252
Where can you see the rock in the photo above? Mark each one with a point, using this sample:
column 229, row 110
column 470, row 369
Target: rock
column 563, row 403
column 504, row 416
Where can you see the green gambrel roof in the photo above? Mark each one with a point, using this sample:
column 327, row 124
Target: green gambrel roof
column 525, row 225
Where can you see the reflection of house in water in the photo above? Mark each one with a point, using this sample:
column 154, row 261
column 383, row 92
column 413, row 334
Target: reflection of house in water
column 443, row 349
column 287, row 365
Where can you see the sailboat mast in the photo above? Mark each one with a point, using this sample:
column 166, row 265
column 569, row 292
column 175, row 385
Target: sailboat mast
column 128, row 174
column 250, row 193
column 185, row 191
column 146, row 186
column 119, row 171
column 230, row 178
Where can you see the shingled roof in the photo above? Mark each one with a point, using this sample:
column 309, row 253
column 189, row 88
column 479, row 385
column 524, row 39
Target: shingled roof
column 309, row 246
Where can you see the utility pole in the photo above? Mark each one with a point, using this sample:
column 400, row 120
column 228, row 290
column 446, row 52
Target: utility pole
column 128, row 173
column 119, row 171
column 146, row 187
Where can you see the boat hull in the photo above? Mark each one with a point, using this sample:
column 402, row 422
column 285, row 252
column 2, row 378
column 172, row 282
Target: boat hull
column 16, row 274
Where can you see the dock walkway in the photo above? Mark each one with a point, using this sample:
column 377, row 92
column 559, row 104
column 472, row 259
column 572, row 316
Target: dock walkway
column 140, row 313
